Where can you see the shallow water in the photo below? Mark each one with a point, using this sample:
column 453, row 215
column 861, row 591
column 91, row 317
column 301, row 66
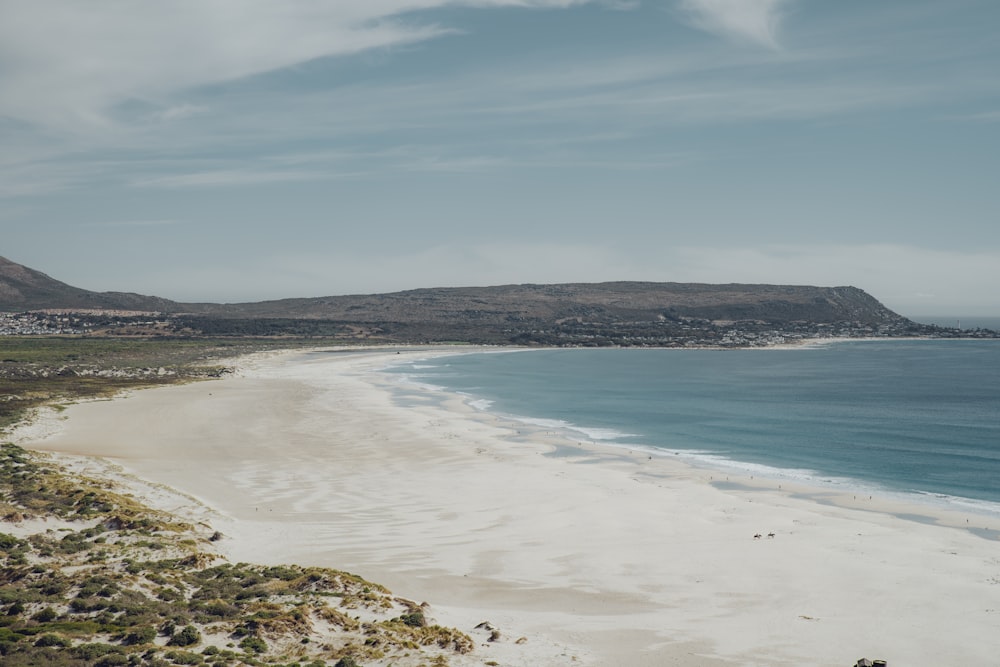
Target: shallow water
column 913, row 417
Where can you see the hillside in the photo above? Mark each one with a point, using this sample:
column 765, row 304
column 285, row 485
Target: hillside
column 613, row 313
column 23, row 289
column 582, row 302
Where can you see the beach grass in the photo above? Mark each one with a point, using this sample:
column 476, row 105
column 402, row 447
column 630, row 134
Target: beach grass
column 47, row 370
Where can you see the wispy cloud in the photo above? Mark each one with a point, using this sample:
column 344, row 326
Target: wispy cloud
column 181, row 111
column 67, row 63
column 504, row 121
column 756, row 21
column 231, row 178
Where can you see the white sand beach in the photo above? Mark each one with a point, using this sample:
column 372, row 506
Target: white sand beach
column 593, row 555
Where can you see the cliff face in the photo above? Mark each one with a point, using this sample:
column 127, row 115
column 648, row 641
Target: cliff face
column 611, row 303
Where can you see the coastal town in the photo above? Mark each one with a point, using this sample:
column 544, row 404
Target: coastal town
column 73, row 322
column 684, row 332
column 36, row 324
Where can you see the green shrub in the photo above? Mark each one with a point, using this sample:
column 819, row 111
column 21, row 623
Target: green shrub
column 46, row 615
column 253, row 645
column 94, row 585
column 108, row 591
column 112, row 660
column 206, row 612
column 9, row 542
column 169, row 594
column 83, row 606
column 283, row 572
column 52, row 640
column 52, row 585
column 189, row 636
column 73, row 543
column 8, row 595
column 8, row 635
column 183, row 658
column 414, row 620
column 143, row 635
column 93, row 651
column 75, row 628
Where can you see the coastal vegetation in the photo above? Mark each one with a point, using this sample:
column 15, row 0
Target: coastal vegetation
column 40, row 370
column 92, row 577
column 89, row 575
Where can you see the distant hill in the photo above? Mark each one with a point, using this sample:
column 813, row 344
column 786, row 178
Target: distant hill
column 590, row 302
column 617, row 311
column 23, row 289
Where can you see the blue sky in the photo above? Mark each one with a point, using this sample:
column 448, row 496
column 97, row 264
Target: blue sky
column 233, row 150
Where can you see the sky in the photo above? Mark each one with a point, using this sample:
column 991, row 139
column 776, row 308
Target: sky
column 241, row 150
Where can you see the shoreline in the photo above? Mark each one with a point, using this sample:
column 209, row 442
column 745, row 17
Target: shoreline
column 596, row 558
column 938, row 508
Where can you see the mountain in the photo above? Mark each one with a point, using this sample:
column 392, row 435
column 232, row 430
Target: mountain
column 23, row 289
column 573, row 313
column 583, row 302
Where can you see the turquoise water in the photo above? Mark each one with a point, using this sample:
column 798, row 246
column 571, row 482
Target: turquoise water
column 914, row 417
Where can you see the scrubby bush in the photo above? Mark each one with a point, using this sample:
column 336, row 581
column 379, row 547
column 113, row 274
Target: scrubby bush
column 46, row 615
column 253, row 645
column 52, row 640
column 183, row 658
column 169, row 594
column 143, row 635
column 414, row 620
column 94, row 651
column 112, row 660
column 8, row 542
column 189, row 636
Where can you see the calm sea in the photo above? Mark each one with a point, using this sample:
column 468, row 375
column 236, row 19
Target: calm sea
column 913, row 417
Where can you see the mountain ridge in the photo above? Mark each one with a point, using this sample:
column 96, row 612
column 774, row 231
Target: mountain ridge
column 618, row 312
column 620, row 301
column 23, row 288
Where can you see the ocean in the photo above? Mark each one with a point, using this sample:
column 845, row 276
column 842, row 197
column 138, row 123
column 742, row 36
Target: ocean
column 920, row 418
